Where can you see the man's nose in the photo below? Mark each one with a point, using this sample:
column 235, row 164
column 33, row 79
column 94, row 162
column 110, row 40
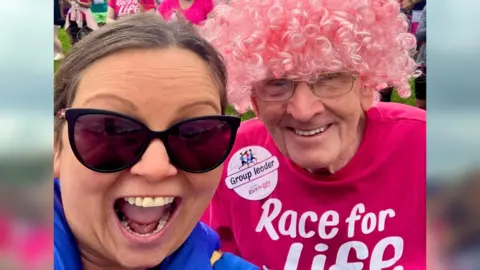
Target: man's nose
column 303, row 105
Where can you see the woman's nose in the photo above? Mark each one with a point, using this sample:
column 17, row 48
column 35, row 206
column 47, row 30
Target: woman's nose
column 155, row 164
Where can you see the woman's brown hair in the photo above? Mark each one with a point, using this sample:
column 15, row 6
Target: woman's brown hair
column 139, row 31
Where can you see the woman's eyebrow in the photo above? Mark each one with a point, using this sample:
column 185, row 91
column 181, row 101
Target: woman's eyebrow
column 124, row 101
column 199, row 103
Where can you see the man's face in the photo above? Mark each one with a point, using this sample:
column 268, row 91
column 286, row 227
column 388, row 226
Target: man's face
column 312, row 127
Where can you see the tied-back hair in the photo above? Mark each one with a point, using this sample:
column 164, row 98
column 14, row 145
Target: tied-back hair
column 301, row 38
column 139, row 31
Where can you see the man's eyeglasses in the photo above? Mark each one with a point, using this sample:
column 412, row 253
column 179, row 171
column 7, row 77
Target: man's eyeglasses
column 326, row 85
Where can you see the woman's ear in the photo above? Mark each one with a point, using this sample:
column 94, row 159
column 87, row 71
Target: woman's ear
column 56, row 157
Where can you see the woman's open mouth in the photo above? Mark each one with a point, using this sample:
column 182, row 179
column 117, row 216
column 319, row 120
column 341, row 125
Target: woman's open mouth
column 145, row 216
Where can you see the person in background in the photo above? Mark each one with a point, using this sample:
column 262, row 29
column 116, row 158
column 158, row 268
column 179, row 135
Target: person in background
column 386, row 94
column 99, row 9
column 421, row 81
column 58, row 21
column 322, row 179
column 135, row 170
column 80, row 21
column 194, row 11
column 121, row 8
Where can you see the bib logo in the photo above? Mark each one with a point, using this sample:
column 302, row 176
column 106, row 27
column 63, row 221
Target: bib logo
column 252, row 173
column 351, row 255
column 247, row 158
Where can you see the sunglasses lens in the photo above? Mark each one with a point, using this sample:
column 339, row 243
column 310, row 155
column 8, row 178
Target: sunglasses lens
column 200, row 145
column 108, row 143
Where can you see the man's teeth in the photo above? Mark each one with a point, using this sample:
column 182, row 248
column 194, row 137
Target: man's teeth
column 310, row 132
column 149, row 201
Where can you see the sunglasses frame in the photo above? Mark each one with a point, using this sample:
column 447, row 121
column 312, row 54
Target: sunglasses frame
column 71, row 116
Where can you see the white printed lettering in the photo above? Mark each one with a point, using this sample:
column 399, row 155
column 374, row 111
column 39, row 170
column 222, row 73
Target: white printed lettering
column 354, row 217
column 361, row 251
column 326, row 222
column 377, row 262
column 290, row 221
column 383, row 216
column 293, row 256
column 290, row 217
column 319, row 260
column 132, row 9
column 369, row 223
column 266, row 219
column 302, row 224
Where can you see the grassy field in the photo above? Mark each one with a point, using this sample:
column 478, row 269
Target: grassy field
column 67, row 47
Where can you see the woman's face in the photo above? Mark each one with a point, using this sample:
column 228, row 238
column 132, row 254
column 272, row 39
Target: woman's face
column 160, row 88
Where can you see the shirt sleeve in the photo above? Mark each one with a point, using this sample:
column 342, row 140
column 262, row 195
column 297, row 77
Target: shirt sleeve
column 112, row 3
column 218, row 218
column 208, row 6
column 148, row 4
column 163, row 9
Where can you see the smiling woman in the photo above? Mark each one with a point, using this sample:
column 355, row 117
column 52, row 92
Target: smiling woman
column 140, row 138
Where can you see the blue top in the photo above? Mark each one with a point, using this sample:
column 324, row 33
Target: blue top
column 194, row 254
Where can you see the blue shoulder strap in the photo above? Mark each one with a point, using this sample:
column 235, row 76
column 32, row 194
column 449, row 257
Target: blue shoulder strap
column 229, row 261
column 195, row 252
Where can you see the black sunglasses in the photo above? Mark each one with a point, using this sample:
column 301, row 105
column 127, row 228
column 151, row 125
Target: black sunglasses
column 108, row 142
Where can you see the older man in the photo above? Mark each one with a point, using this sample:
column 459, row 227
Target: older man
column 326, row 177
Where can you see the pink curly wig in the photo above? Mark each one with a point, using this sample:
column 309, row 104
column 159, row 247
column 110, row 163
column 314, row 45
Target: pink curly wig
column 301, row 38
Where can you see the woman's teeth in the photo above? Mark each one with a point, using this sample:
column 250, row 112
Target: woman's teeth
column 145, row 216
column 311, row 132
column 149, row 201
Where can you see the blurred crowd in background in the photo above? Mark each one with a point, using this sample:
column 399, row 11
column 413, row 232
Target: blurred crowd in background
column 454, row 221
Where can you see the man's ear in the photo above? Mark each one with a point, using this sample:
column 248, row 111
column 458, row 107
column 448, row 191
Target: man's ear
column 367, row 98
column 253, row 101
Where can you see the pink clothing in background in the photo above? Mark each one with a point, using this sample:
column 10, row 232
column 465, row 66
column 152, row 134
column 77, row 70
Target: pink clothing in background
column 196, row 14
column 5, row 232
column 82, row 16
column 369, row 215
column 36, row 247
column 31, row 246
column 124, row 8
column 415, row 21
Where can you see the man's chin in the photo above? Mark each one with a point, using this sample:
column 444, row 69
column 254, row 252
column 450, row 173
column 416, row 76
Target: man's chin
column 311, row 164
column 311, row 158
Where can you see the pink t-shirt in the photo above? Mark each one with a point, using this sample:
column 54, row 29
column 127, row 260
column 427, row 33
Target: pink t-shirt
column 36, row 247
column 123, row 8
column 196, row 14
column 369, row 215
